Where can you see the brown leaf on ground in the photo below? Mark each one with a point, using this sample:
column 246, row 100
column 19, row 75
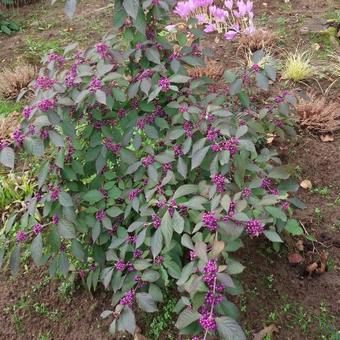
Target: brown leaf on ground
column 327, row 138
column 267, row 331
column 306, row 184
column 299, row 245
column 312, row 268
column 138, row 335
column 295, row 258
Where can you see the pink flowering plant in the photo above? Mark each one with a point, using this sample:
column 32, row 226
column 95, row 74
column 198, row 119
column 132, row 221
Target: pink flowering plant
column 232, row 18
column 149, row 176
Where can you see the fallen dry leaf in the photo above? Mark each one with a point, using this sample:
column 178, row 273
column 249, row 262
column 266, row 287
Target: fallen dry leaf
column 138, row 335
column 267, row 331
column 306, row 184
column 323, row 257
column 312, row 268
column 270, row 138
column 322, row 268
column 327, row 138
column 299, row 245
column 295, row 258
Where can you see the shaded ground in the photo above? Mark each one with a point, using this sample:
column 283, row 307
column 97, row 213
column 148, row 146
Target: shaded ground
column 302, row 307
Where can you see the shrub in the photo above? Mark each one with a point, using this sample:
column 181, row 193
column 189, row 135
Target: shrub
column 151, row 176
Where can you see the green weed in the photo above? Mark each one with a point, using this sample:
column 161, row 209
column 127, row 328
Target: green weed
column 8, row 106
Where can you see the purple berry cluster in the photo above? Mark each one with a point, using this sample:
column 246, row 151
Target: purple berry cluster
column 177, row 149
column 212, row 134
column 56, row 58
column 246, row 192
column 164, row 84
column 43, row 82
column 55, row 193
column 102, row 50
column 37, row 228
column 134, row 193
column 128, row 298
column 148, row 160
column 209, row 220
column 94, row 85
column 156, row 221
column 21, row 236
column 46, row 104
column 219, row 181
column 18, row 137
column 120, row 265
column 100, row 215
column 27, row 111
column 267, row 184
column 230, row 145
column 254, row 227
column 113, row 147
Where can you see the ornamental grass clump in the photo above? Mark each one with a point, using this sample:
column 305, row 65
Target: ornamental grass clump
column 150, row 176
column 297, row 66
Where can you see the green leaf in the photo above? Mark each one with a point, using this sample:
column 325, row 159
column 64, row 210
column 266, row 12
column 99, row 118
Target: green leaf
column 201, row 251
column 93, row 196
column 70, row 8
column 166, row 228
column 151, row 131
column 66, row 229
column 153, row 55
column 225, row 279
column 150, row 276
column 64, row 265
column 178, row 222
column 187, row 317
column 140, row 22
column 156, row 242
column 186, row 272
column 235, row 87
column 101, row 97
column 272, row 236
column 198, row 157
column 270, row 72
column 35, row 146
column 114, row 211
column 14, row 260
column 178, row 78
column 229, row 329
column 2, row 254
column 7, row 157
column 185, row 190
column 293, row 227
column 131, row 7
column 281, row 172
column 146, row 302
column 43, row 174
column 65, row 199
column 277, row 213
column 36, row 250
column 127, row 321
column 182, row 167
column 78, row 250
column 55, row 138
column 261, row 81
column 235, row 267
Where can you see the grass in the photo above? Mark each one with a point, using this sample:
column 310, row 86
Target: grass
column 8, row 106
column 297, row 66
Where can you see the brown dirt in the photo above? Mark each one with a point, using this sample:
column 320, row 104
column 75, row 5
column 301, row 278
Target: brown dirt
column 319, row 163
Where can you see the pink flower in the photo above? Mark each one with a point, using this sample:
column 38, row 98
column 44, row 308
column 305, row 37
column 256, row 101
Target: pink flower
column 230, row 35
column 209, row 28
